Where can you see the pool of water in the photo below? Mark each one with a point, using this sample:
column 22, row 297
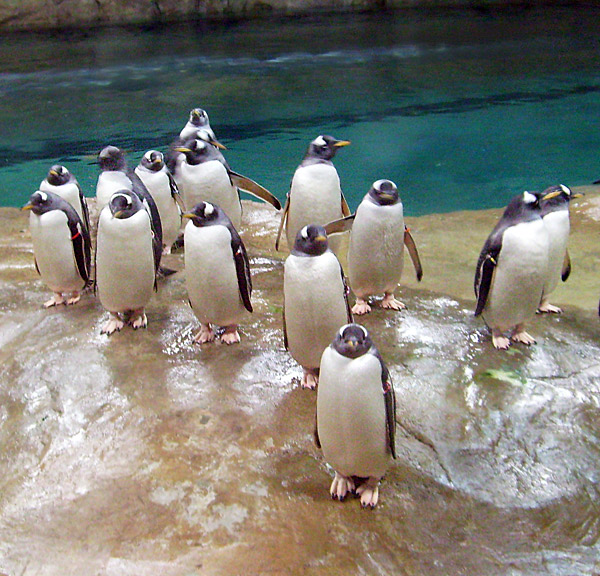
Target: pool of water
column 461, row 108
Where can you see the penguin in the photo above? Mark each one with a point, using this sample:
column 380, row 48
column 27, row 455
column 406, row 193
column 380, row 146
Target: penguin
column 60, row 181
column 555, row 214
column 161, row 185
column 198, row 119
column 315, row 195
column 61, row 246
column 116, row 176
column 126, row 261
column 356, row 415
column 204, row 175
column 376, row 248
column 511, row 270
column 217, row 273
column 315, row 300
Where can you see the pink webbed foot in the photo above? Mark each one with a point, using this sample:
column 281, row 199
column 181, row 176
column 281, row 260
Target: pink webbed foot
column 310, row 379
column 390, row 303
column 231, row 335
column 361, row 307
column 369, row 493
column 206, row 334
column 340, row 487
column 56, row 300
column 114, row 324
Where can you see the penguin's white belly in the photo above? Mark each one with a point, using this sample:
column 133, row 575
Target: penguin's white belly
column 209, row 182
column 109, row 182
column 160, row 189
column 315, row 307
column 351, row 418
column 210, row 275
column 376, row 250
column 315, row 198
column 54, row 252
column 124, row 261
column 68, row 192
column 519, row 277
column 558, row 227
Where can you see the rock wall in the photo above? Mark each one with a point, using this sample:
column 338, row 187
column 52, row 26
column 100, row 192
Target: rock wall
column 49, row 14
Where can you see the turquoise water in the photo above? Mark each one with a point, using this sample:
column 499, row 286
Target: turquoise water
column 462, row 109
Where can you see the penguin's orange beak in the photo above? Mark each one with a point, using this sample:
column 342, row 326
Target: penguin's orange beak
column 27, row 206
column 341, row 143
column 551, row 195
column 182, row 149
column 216, row 143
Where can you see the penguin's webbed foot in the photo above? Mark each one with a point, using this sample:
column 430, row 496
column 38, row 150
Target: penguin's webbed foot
column 114, row 324
column 390, row 303
column 340, row 487
column 310, row 379
column 361, row 307
column 55, row 300
column 138, row 319
column 547, row 308
column 519, row 335
column 369, row 493
column 231, row 335
column 205, row 334
column 75, row 297
column 500, row 341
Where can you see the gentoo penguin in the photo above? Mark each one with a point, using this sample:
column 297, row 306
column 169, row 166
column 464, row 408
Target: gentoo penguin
column 198, row 119
column 315, row 300
column 555, row 214
column 60, row 181
column 161, row 185
column 356, row 415
column 126, row 261
column 61, row 246
column 376, row 248
column 217, row 272
column 204, row 175
column 315, row 195
column 116, row 176
column 511, row 270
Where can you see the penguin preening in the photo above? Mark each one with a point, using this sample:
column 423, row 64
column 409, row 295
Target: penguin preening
column 315, row 195
column 376, row 249
column 60, row 181
column 511, row 270
column 205, row 176
column 356, row 414
column 126, row 261
column 217, row 272
column 61, row 246
column 555, row 214
column 163, row 189
column 315, row 300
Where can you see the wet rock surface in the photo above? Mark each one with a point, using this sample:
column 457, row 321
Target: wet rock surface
column 145, row 454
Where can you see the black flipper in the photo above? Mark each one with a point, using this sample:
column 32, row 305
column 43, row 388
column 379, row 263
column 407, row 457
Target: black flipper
column 414, row 254
column 242, row 268
column 251, row 187
column 80, row 239
column 390, row 402
column 284, row 215
column 566, row 269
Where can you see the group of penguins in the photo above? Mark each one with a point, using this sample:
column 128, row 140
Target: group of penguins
column 141, row 212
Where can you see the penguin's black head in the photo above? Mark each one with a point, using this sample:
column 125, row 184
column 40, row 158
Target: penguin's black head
column 196, row 151
column 58, row 175
column 198, row 117
column 153, row 160
column 113, row 159
column 42, row 202
column 124, row 204
column 311, row 241
column 352, row 341
column 324, row 147
column 556, row 198
column 204, row 214
column 523, row 207
column 384, row 192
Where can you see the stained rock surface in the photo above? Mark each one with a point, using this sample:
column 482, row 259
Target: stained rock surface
column 142, row 453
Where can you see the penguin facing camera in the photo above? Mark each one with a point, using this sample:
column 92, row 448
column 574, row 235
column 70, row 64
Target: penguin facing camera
column 376, row 250
column 356, row 415
column 315, row 195
column 217, row 273
column 61, row 246
column 127, row 260
column 315, row 300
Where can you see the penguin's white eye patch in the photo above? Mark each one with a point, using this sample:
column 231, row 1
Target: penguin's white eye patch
column 566, row 190
column 529, row 198
column 43, row 196
column 208, row 209
column 319, row 141
column 126, row 196
column 341, row 332
column 304, row 232
column 364, row 330
column 148, row 155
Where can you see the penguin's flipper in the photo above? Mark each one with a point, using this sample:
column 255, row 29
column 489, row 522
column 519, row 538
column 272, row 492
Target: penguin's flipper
column 414, row 254
column 84, row 208
column 285, row 336
column 349, row 316
column 37, row 268
column 175, row 193
column 284, row 215
column 242, row 268
column 316, row 434
column 81, row 246
column 566, row 268
column 390, row 402
column 341, row 225
column 483, row 279
column 251, row 187
column 139, row 188
column 345, row 207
